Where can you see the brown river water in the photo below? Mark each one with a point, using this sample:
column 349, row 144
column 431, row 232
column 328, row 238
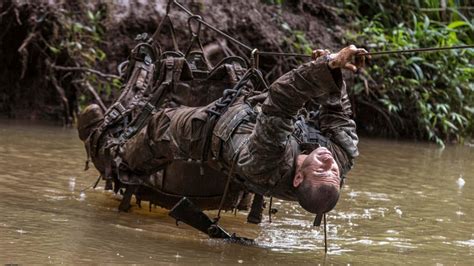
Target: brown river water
column 403, row 203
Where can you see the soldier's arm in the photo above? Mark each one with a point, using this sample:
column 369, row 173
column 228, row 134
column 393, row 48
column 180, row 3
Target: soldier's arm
column 320, row 80
column 335, row 121
column 268, row 147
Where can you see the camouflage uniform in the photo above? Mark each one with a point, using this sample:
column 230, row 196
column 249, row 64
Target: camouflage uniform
column 254, row 139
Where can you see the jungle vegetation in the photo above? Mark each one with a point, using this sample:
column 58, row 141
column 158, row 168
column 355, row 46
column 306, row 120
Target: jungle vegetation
column 422, row 95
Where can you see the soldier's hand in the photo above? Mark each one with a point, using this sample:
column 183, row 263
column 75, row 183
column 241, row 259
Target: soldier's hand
column 319, row 52
column 350, row 58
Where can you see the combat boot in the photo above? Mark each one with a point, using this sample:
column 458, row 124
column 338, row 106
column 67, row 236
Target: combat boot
column 89, row 119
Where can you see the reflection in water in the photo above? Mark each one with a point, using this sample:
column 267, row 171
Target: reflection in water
column 403, row 202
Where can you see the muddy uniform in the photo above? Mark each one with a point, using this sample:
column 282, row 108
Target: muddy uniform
column 255, row 140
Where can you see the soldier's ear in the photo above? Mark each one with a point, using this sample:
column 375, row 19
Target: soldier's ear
column 298, row 179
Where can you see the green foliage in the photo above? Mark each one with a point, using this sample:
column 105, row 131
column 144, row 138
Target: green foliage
column 273, row 2
column 300, row 43
column 431, row 95
column 81, row 41
column 82, row 38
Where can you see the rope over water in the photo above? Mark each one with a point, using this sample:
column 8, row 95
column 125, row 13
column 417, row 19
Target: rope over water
column 266, row 53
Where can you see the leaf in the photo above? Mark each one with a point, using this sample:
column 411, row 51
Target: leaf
column 116, row 83
column 442, row 107
column 418, row 72
column 430, row 65
column 90, row 15
column 285, row 26
column 414, row 59
column 77, row 27
column 459, row 93
column 469, row 109
column 54, row 50
column 451, row 125
column 89, row 29
column 98, row 15
column 100, row 54
column 457, row 24
column 426, row 23
column 440, row 142
column 417, row 3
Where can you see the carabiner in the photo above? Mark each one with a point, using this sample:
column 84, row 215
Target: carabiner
column 198, row 20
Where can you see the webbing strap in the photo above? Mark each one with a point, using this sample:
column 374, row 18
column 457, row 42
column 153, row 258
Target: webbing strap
column 195, row 38
column 173, row 69
column 230, row 95
column 155, row 35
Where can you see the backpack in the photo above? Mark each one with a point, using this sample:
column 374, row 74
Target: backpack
column 152, row 81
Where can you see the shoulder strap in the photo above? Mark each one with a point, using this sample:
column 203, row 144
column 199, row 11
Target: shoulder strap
column 172, row 71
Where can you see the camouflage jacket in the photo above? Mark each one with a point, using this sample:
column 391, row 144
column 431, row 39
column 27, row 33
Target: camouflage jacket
column 255, row 140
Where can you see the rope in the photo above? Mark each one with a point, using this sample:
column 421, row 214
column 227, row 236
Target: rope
column 284, row 54
column 265, row 53
column 230, row 38
column 224, row 195
column 270, row 210
column 429, row 49
column 93, row 185
column 325, row 236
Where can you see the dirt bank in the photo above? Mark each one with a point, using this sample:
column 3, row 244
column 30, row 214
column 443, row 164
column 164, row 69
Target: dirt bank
column 37, row 35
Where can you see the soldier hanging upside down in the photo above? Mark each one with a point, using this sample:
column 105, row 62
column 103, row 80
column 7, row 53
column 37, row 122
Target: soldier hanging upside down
column 254, row 140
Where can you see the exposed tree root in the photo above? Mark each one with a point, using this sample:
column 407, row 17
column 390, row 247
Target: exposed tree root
column 96, row 96
column 85, row 69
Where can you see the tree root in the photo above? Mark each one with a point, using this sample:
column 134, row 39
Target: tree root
column 24, row 53
column 62, row 97
column 6, row 12
column 96, row 96
column 85, row 69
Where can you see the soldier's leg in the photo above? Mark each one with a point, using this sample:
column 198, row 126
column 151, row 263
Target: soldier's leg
column 169, row 133
column 149, row 150
column 142, row 156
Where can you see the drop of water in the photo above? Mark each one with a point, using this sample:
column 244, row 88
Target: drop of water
column 82, row 196
column 398, row 211
column 240, row 261
column 352, row 194
column 460, row 181
column 468, row 243
column 21, row 231
column 72, row 183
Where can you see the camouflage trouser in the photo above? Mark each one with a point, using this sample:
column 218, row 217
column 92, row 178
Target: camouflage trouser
column 150, row 159
column 171, row 134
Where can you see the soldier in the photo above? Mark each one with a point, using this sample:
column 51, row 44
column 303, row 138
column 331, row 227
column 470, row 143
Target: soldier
column 253, row 141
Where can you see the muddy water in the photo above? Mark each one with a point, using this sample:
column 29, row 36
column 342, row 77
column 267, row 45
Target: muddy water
column 403, row 203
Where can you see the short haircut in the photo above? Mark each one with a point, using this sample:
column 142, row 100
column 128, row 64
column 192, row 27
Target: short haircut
column 317, row 198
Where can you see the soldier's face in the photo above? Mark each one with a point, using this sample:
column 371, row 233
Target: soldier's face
column 319, row 167
column 317, row 181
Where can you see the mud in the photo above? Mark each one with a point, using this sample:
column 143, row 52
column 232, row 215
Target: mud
column 30, row 89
